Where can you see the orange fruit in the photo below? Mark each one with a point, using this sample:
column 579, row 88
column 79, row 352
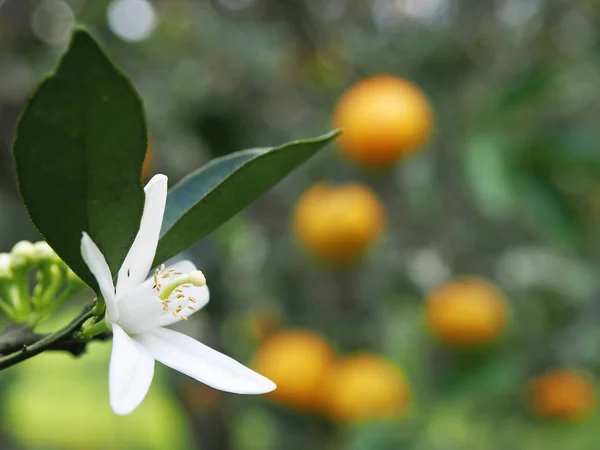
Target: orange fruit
column 563, row 394
column 338, row 223
column 466, row 312
column 295, row 360
column 382, row 118
column 262, row 324
column 364, row 387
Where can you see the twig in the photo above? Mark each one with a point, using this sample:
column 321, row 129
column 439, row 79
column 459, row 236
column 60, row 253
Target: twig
column 17, row 337
column 59, row 340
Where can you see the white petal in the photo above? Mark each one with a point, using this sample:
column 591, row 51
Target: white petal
column 206, row 365
column 138, row 261
column 130, row 373
column 141, row 309
column 96, row 262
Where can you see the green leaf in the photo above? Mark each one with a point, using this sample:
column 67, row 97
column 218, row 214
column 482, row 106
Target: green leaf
column 79, row 151
column 208, row 197
column 548, row 211
column 489, row 175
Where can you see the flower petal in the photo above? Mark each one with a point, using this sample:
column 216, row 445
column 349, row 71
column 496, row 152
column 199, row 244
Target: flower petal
column 130, row 372
column 96, row 262
column 138, row 261
column 206, row 365
column 142, row 310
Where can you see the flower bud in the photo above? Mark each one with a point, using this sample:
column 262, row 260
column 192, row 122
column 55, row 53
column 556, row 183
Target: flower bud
column 55, row 271
column 22, row 254
column 5, row 266
column 43, row 252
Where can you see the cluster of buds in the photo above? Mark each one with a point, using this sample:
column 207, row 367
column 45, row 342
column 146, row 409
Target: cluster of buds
column 54, row 283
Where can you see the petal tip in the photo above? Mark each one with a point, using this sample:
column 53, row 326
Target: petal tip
column 270, row 386
column 159, row 178
column 120, row 410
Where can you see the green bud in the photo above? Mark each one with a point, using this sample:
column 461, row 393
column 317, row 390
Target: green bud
column 55, row 271
column 5, row 266
column 45, row 253
column 22, row 254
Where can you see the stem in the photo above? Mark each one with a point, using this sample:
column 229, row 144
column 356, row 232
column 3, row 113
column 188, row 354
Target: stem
column 22, row 298
column 95, row 329
column 53, row 305
column 99, row 307
column 50, row 290
column 7, row 309
column 46, row 342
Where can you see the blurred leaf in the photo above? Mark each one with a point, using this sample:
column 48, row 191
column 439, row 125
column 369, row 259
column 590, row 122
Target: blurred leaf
column 547, row 210
column 526, row 87
column 79, row 151
column 205, row 199
column 488, row 174
column 391, row 434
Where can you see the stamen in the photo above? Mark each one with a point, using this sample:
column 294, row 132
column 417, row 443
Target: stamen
column 162, row 267
column 192, row 308
column 192, row 299
column 180, row 296
column 177, row 311
column 183, row 318
column 165, row 275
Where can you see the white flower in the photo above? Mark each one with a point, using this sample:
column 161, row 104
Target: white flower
column 138, row 309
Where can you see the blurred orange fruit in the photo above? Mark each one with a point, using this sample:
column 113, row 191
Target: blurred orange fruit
column 338, row 223
column 295, row 360
column 364, row 387
column 382, row 118
column 563, row 394
column 262, row 324
column 466, row 312
column 148, row 163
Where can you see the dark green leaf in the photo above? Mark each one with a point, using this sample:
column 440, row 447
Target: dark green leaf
column 79, row 150
column 184, row 195
column 213, row 194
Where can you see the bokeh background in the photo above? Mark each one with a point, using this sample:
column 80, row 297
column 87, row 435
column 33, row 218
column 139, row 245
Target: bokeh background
column 385, row 345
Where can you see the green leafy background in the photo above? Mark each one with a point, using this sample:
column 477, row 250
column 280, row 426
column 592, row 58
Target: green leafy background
column 508, row 189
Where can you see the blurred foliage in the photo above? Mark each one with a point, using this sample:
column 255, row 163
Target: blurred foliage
column 507, row 189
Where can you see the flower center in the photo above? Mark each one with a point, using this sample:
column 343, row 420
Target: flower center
column 178, row 283
column 195, row 278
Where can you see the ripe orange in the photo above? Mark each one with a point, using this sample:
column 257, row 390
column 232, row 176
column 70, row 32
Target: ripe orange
column 382, row 118
column 338, row 223
column 295, row 360
column 466, row 312
column 563, row 394
column 364, row 387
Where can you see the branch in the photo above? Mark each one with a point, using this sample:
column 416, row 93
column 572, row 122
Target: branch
column 26, row 344
column 19, row 337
